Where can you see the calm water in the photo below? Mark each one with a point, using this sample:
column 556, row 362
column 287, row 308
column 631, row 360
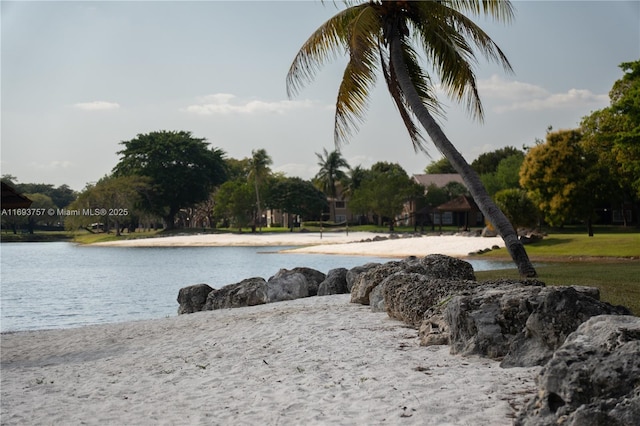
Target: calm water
column 62, row 285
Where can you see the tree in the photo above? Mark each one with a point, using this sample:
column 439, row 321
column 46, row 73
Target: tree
column 378, row 36
column 614, row 134
column 441, row 166
column 182, row 169
column 39, row 201
column 297, row 197
column 235, row 203
column 488, row 162
column 383, row 192
column 563, row 178
column 112, row 200
column 331, row 172
column 258, row 172
column 519, row 208
column 505, row 176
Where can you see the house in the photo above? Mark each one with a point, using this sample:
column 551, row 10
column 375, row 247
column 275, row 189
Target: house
column 420, row 215
column 462, row 212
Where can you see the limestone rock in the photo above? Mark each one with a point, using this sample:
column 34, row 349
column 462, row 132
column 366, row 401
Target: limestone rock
column 313, row 276
column 520, row 323
column 408, row 295
column 446, row 267
column 334, row 283
column 193, row 298
column 593, row 378
column 354, row 272
column 367, row 281
column 248, row 292
column 287, row 285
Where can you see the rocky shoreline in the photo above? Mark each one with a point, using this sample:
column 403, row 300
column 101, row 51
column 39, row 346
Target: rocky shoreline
column 588, row 348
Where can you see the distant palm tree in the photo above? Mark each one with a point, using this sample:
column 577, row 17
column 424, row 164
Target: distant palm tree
column 258, row 172
column 331, row 172
column 386, row 36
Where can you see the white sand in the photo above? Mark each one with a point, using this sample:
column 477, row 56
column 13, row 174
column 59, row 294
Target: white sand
column 330, row 243
column 313, row 361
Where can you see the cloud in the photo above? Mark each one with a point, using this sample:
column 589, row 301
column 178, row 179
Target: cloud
column 52, row 165
column 529, row 97
column 225, row 103
column 97, row 106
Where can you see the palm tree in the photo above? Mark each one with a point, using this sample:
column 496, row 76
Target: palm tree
column 331, row 165
column 258, row 171
column 386, row 36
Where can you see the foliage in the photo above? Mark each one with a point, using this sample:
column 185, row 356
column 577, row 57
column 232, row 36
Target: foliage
column 235, row 203
column 182, row 169
column 441, row 166
column 519, row 208
column 563, row 178
column 488, row 162
column 366, row 31
column 506, row 174
column 615, row 132
column 332, row 165
column 297, row 197
column 113, row 200
column 258, row 173
column 383, row 192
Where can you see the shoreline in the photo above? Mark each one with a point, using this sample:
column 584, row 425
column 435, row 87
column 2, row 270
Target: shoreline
column 355, row 243
column 317, row 360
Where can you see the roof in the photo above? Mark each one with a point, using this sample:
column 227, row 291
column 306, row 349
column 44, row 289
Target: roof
column 12, row 200
column 459, row 204
column 438, row 179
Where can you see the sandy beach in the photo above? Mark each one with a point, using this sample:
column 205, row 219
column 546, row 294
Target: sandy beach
column 329, row 243
column 312, row 361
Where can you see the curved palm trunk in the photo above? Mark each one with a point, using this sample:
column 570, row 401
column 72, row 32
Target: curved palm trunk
column 470, row 177
column 258, row 206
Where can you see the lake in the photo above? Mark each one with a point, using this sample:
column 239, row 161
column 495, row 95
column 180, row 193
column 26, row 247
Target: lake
column 64, row 285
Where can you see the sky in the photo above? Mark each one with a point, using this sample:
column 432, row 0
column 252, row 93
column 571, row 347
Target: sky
column 80, row 77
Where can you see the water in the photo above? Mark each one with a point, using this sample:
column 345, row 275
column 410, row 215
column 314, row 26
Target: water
column 63, row 285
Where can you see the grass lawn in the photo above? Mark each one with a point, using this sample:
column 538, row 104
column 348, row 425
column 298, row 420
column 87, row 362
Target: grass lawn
column 609, row 261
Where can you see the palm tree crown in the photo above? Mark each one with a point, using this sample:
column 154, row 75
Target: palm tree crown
column 331, row 171
column 365, row 30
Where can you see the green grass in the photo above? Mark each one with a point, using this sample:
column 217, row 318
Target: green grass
column 610, row 261
column 572, row 246
column 618, row 281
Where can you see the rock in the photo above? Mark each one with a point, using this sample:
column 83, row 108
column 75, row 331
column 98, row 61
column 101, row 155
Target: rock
column 434, row 266
column 408, row 295
column 593, row 378
column 313, row 276
column 447, row 267
column 287, row 285
column 248, row 292
column 367, row 281
column 376, row 298
column 193, row 298
column 334, row 283
column 520, row 323
column 353, row 273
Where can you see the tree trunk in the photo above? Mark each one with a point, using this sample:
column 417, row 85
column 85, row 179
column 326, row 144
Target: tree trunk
column 470, row 177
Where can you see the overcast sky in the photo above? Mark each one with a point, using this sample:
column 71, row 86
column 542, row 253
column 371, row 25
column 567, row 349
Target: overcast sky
column 80, row 77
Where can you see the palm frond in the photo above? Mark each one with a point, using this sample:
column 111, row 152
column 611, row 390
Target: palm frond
column 360, row 73
column 452, row 57
column 322, row 46
column 500, row 10
column 417, row 139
